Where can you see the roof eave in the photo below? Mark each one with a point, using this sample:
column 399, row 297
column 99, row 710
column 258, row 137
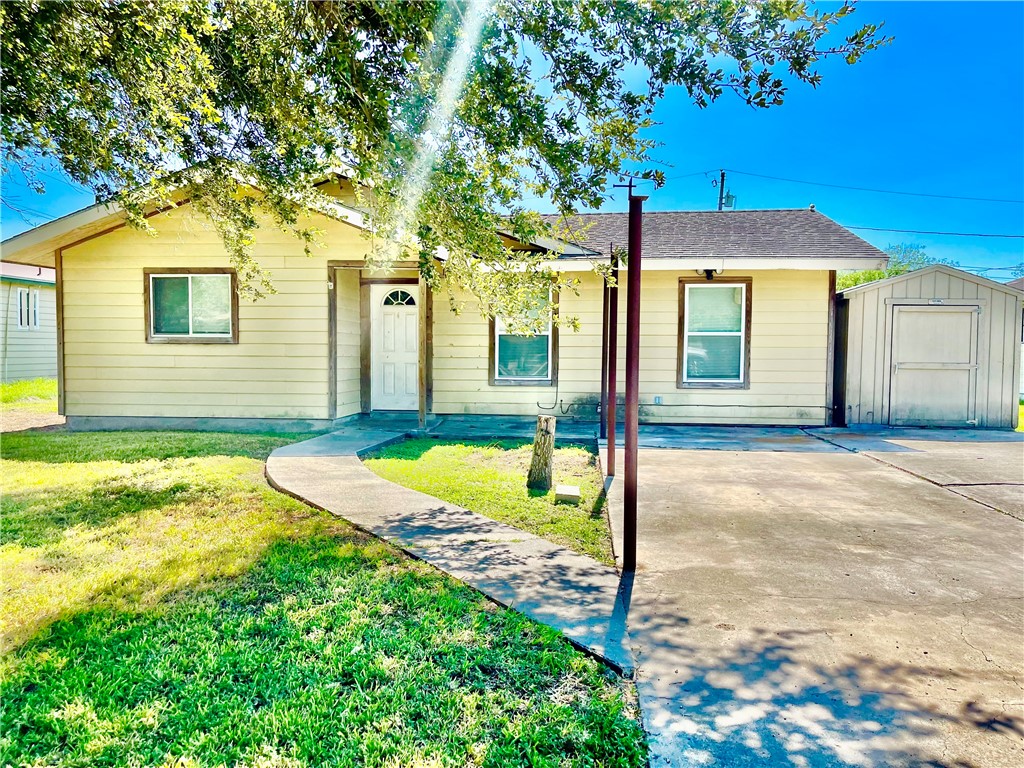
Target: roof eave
column 36, row 247
column 730, row 263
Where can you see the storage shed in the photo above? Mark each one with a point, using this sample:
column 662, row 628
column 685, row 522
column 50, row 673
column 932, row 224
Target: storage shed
column 935, row 347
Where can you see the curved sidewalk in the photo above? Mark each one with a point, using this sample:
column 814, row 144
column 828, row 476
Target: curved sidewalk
column 570, row 592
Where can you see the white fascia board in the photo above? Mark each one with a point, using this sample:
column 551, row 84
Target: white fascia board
column 36, row 236
column 349, row 215
column 731, row 264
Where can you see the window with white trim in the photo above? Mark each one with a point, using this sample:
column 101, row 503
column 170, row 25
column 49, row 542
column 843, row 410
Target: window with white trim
column 521, row 358
column 28, row 308
column 191, row 306
column 714, row 347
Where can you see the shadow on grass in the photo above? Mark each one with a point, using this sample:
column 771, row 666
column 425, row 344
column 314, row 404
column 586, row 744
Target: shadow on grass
column 29, row 523
column 415, row 448
column 84, row 447
column 330, row 650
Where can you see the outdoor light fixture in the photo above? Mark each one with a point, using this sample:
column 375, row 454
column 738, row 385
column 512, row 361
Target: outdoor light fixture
column 709, row 274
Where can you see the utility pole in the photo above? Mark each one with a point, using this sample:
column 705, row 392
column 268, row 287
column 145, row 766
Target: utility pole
column 602, row 408
column 721, row 190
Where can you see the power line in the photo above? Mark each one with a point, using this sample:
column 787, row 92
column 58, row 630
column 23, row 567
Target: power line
column 926, row 232
column 879, row 191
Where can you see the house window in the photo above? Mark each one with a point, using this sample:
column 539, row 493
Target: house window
column 714, row 334
column 525, row 360
column 28, row 308
column 192, row 307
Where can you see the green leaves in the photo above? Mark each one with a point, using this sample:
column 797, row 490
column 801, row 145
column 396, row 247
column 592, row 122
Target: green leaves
column 148, row 102
column 903, row 258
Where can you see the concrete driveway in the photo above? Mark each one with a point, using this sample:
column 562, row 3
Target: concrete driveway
column 841, row 599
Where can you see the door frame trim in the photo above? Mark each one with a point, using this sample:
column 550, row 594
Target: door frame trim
column 891, row 304
column 366, row 285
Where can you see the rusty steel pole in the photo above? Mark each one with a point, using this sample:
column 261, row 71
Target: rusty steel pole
column 602, row 408
column 613, row 350
column 636, row 212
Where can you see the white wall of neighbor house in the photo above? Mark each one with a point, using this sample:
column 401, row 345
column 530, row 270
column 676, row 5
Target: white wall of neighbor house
column 788, row 356
column 277, row 370
column 28, row 352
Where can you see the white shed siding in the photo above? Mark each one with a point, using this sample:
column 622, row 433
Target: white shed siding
column 869, row 337
column 28, row 353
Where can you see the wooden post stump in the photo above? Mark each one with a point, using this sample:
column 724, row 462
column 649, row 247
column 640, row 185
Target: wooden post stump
column 543, row 455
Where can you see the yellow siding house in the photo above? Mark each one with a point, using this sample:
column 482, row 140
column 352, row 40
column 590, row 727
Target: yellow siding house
column 737, row 324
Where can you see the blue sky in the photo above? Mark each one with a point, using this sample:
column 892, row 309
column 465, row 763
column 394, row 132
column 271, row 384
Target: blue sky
column 940, row 111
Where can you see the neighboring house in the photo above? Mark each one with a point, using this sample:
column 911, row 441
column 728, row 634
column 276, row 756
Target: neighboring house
column 933, row 347
column 737, row 324
column 1018, row 284
column 28, row 322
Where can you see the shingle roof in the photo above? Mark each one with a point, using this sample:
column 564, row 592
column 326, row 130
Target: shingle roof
column 799, row 232
column 1018, row 283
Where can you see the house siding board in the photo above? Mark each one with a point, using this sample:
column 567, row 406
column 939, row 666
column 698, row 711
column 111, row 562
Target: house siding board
column 28, row 353
column 788, row 350
column 869, row 361
column 347, row 281
column 278, row 368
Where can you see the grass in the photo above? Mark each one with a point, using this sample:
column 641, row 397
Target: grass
column 490, row 478
column 35, row 395
column 162, row 606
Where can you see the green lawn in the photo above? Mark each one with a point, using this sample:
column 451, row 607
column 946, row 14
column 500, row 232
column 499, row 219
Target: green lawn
column 490, row 478
column 36, row 395
column 163, row 606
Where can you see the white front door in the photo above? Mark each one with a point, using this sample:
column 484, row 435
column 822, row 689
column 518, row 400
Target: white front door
column 394, row 348
column 934, row 368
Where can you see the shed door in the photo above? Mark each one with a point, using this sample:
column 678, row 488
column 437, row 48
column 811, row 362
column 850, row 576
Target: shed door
column 934, row 370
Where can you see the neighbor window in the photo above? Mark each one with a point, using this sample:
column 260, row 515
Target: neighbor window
column 714, row 339
column 28, row 308
column 198, row 307
column 519, row 359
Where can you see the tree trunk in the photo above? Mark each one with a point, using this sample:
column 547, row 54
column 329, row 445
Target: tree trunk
column 543, row 454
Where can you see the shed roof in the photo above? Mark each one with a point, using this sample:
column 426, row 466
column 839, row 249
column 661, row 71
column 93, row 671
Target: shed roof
column 770, row 233
column 951, row 271
column 1017, row 284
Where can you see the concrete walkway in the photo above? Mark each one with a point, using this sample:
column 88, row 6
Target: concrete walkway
column 570, row 592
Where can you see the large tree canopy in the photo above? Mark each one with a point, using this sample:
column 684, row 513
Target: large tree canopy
column 451, row 112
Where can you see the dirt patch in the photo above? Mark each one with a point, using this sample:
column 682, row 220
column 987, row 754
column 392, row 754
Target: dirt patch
column 18, row 420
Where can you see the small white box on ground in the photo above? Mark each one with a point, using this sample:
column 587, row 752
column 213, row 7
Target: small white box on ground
column 567, row 494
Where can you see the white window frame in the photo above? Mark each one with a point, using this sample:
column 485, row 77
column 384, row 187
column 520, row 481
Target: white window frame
column 499, row 331
column 28, row 309
column 190, row 335
column 741, row 334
